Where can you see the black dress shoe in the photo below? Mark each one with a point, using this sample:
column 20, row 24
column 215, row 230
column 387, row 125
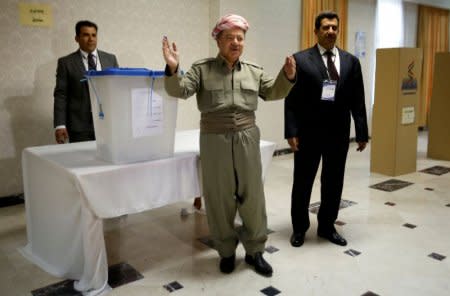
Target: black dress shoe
column 297, row 239
column 333, row 237
column 261, row 265
column 227, row 264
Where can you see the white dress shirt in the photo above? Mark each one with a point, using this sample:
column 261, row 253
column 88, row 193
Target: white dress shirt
column 335, row 57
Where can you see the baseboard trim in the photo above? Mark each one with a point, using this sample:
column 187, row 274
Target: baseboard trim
column 284, row 151
column 11, row 200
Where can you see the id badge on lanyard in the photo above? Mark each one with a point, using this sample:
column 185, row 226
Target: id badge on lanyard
column 328, row 90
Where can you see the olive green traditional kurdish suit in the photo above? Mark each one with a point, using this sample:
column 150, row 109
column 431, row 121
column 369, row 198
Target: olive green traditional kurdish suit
column 229, row 145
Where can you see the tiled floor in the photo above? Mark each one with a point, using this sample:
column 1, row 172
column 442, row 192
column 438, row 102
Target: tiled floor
column 398, row 242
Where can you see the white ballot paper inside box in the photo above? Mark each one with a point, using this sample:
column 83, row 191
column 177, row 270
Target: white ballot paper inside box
column 147, row 112
column 134, row 117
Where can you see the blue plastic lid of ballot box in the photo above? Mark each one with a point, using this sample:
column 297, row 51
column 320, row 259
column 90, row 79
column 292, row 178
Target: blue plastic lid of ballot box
column 126, row 72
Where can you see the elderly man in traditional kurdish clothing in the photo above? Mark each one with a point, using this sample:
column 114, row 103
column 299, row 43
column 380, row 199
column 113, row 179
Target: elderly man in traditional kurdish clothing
column 227, row 91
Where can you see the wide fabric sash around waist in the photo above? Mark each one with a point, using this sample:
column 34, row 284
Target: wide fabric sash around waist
column 226, row 121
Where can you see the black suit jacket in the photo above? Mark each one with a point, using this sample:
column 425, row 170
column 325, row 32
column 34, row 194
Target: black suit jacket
column 308, row 117
column 72, row 106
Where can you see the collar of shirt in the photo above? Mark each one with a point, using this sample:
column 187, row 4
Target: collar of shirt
column 322, row 50
column 222, row 62
column 84, row 55
column 335, row 57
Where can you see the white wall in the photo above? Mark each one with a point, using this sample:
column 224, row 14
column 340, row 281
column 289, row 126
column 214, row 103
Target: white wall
column 361, row 18
column 131, row 29
column 410, row 18
column 274, row 34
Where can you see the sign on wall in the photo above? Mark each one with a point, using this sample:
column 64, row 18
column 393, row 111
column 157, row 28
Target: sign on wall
column 360, row 44
column 35, row 14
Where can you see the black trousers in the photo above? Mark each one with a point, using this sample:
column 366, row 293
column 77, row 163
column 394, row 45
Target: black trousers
column 306, row 162
column 81, row 136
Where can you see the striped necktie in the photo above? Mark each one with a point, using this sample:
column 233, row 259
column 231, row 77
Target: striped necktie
column 332, row 71
column 92, row 65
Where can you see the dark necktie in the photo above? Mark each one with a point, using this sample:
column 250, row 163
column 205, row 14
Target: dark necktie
column 92, row 65
column 331, row 67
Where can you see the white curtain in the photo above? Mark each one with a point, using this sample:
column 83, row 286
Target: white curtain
column 389, row 24
column 389, row 29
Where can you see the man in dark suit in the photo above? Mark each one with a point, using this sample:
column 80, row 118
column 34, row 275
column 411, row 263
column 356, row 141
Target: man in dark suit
column 328, row 90
column 72, row 108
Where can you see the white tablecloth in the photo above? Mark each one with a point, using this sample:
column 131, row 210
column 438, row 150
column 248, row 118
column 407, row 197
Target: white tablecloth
column 68, row 191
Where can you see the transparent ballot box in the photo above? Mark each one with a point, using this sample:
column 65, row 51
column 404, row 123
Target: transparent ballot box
column 134, row 117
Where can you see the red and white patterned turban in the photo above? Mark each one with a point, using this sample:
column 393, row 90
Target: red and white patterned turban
column 230, row 21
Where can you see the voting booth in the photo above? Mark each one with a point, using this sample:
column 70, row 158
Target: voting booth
column 439, row 120
column 134, row 117
column 394, row 121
